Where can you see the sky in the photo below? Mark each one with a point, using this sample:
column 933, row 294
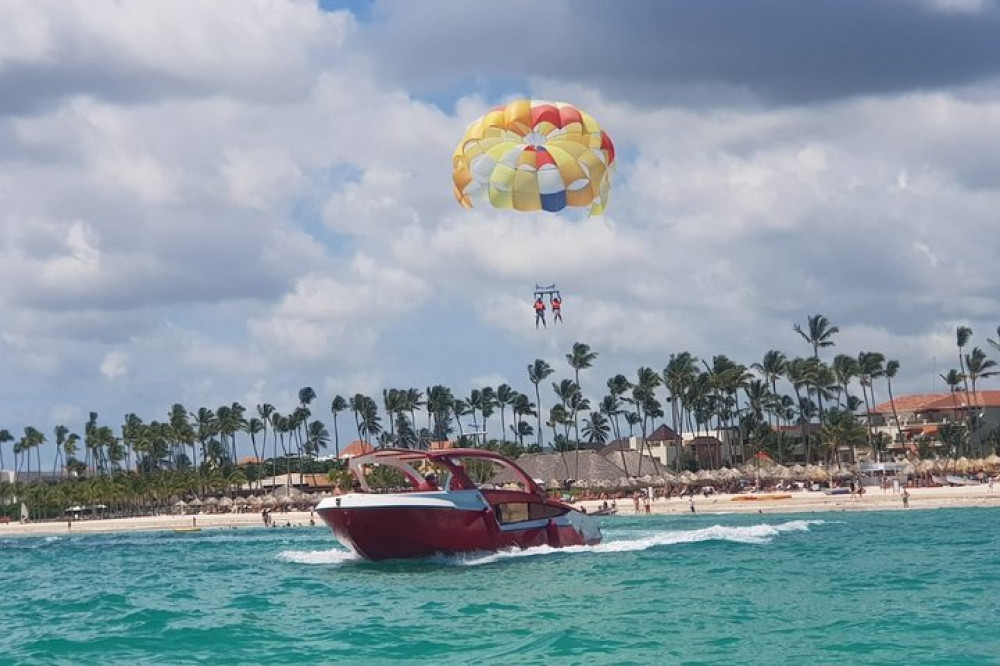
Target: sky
column 208, row 201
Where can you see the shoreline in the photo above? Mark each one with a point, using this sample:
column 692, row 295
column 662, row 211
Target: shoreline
column 805, row 501
column 164, row 523
column 798, row 502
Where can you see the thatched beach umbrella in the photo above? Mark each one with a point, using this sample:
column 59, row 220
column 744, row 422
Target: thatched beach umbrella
column 180, row 505
column 798, row 472
column 226, row 503
column 195, row 502
column 816, row 474
column 704, row 478
column 843, row 473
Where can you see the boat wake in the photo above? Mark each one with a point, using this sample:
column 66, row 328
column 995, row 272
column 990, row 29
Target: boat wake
column 750, row 534
column 332, row 556
column 630, row 542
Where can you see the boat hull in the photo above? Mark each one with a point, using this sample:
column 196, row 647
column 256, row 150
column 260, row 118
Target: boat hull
column 381, row 527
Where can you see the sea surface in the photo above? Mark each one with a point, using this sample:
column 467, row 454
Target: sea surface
column 895, row 587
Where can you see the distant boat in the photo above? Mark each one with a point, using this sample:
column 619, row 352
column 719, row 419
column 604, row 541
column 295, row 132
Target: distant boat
column 187, row 529
column 610, row 511
column 959, row 481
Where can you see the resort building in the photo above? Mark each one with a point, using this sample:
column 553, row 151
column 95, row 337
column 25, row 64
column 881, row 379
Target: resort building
column 711, row 449
column 918, row 417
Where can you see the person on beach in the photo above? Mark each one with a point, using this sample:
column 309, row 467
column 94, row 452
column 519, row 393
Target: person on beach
column 540, row 312
column 635, row 502
column 556, row 304
column 906, row 498
column 646, row 504
column 691, row 502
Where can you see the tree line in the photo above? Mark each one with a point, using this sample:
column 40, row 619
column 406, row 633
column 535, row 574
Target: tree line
column 763, row 401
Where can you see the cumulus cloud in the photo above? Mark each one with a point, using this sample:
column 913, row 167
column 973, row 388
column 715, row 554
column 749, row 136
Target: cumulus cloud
column 217, row 201
column 114, row 365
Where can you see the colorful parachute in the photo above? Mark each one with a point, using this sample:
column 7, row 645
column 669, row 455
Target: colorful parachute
column 534, row 155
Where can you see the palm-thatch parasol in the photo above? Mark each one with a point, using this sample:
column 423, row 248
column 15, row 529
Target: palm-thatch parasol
column 816, row 474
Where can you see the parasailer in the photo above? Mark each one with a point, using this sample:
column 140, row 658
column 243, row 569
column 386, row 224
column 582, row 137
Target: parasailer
column 532, row 155
column 555, row 302
column 539, row 311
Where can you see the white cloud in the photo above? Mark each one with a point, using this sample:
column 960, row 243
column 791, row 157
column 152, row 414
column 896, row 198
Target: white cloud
column 114, row 365
column 209, row 201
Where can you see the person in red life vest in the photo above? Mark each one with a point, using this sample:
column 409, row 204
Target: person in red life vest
column 540, row 312
column 556, row 304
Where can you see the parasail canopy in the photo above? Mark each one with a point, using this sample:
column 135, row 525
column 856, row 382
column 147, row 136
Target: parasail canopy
column 533, row 155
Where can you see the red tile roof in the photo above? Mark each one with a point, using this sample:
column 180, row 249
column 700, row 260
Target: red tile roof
column 663, row 434
column 929, row 402
column 356, row 448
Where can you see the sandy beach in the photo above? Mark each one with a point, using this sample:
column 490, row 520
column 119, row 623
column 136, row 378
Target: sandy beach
column 798, row 502
column 204, row 521
column 874, row 499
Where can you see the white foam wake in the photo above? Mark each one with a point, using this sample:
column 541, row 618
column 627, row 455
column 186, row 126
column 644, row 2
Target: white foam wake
column 748, row 534
column 333, row 556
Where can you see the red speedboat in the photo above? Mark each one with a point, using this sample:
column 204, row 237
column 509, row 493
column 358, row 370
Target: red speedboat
column 434, row 506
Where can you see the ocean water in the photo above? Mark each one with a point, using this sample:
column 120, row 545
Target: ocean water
column 852, row 588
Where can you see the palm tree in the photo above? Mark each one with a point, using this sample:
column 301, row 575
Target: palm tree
column 596, row 428
column 254, row 427
column 266, row 412
column 995, row 343
column 60, row 432
column 337, row 405
column 5, row 437
column 772, row 368
column 537, row 372
column 206, row 426
column 962, row 335
column 845, row 368
column 504, row 398
column 580, row 358
column 678, row 377
column 646, row 404
column 797, row 373
column 819, row 334
column 870, row 367
column 439, row 409
column 181, row 432
column 318, row 437
column 953, row 379
column 978, row 366
column 891, row 368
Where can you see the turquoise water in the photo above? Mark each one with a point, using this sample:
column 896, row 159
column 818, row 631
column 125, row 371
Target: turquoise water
column 852, row 588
